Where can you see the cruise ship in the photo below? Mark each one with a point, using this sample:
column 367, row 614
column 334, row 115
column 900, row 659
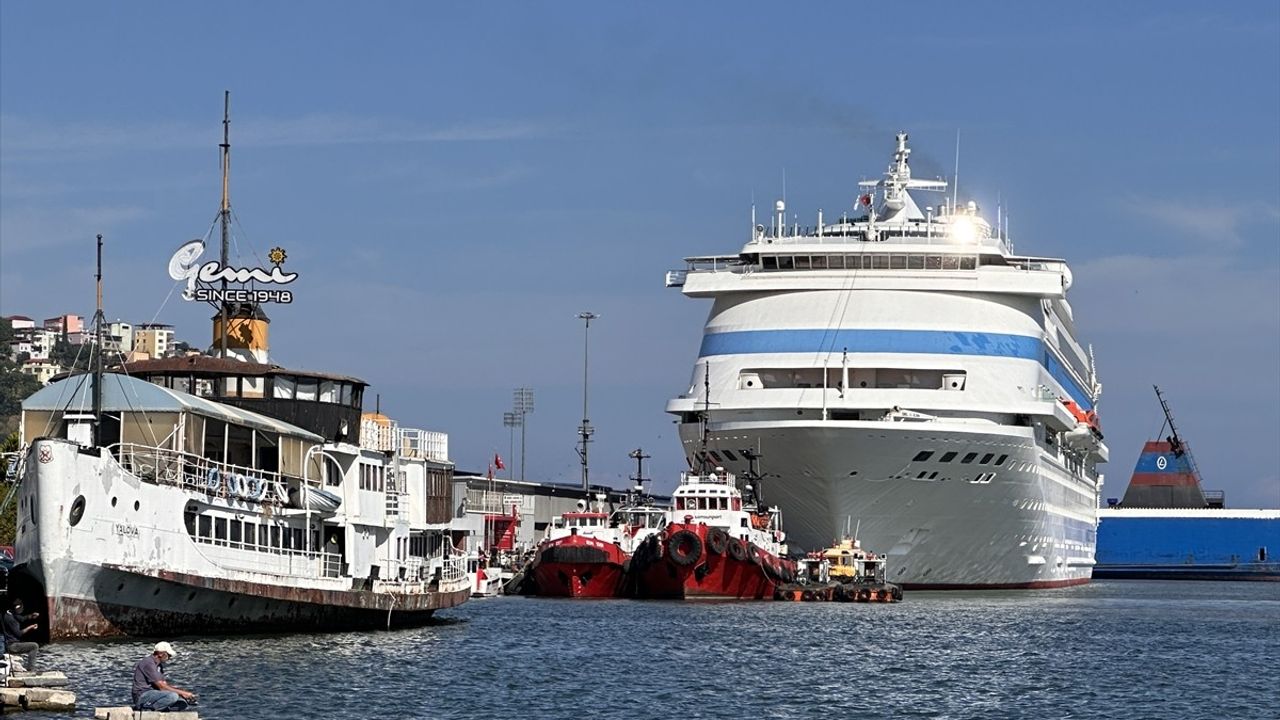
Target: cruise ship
column 901, row 370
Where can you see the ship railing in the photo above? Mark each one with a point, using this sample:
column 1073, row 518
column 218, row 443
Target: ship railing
column 377, row 436
column 424, row 444
column 291, row 562
column 885, row 234
column 489, row 503
column 195, row 472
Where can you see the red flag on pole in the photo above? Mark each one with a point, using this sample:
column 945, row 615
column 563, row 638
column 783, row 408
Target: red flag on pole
column 497, row 460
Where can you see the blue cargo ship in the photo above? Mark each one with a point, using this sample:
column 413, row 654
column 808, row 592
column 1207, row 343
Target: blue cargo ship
column 1168, row 527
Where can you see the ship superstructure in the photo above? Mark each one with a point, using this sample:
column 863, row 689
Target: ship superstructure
column 900, row 365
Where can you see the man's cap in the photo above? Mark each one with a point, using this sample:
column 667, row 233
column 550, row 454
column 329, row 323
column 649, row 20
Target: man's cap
column 164, row 647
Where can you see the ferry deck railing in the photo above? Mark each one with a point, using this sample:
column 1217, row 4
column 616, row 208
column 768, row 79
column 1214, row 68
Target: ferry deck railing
column 195, row 472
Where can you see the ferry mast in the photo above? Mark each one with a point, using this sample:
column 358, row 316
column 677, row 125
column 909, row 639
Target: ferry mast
column 224, row 215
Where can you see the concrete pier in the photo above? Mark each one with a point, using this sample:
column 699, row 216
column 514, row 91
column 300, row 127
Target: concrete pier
column 37, row 698
column 124, row 712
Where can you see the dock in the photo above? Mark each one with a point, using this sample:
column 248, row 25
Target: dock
column 124, row 712
column 37, row 691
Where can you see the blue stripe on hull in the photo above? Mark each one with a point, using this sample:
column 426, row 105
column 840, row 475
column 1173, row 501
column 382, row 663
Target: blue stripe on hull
column 932, row 342
column 1190, row 547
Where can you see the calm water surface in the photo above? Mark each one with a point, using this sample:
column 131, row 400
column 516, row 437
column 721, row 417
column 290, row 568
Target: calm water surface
column 1112, row 649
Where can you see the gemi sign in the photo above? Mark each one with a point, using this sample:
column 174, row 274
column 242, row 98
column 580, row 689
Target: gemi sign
column 185, row 265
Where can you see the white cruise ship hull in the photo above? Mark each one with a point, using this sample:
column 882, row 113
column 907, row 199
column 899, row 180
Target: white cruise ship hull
column 1029, row 526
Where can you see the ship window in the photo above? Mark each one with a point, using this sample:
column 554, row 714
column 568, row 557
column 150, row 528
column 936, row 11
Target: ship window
column 933, row 475
column 236, row 529
column 729, row 454
column 968, row 262
column 737, row 503
column 784, row 262
column 250, row 533
column 915, row 262
column 968, row 458
column 922, row 474
column 933, row 262
column 262, row 536
column 769, row 262
column 948, row 457
column 835, row 262
column 950, row 262
column 898, row 262
column 1000, row 460
column 819, row 262
column 297, row 538
column 986, row 459
column 922, row 456
column 328, row 392
column 287, row 540
column 206, row 526
column 307, row 389
column 802, row 262
column 717, row 457
column 220, row 528
column 880, row 262
column 346, row 394
column 275, row 536
column 285, row 387
column 189, row 519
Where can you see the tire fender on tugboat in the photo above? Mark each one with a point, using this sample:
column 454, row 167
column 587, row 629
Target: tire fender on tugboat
column 738, row 550
column 684, row 547
column 717, row 541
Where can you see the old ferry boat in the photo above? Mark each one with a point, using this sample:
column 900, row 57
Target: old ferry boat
column 226, row 493
column 900, row 364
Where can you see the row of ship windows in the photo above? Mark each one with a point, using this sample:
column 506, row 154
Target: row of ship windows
column 708, row 503
column 947, row 457
column 869, row 261
column 251, row 536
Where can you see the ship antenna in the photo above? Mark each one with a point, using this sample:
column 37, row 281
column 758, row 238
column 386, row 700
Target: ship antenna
column 98, row 319
column 639, row 456
column 585, row 430
column 224, row 215
column 955, row 187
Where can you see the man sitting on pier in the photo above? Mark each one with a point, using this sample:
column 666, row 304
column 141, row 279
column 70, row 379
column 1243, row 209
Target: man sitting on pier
column 151, row 691
column 15, row 626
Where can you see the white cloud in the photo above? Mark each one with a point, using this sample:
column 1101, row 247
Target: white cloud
column 28, row 135
column 1211, row 222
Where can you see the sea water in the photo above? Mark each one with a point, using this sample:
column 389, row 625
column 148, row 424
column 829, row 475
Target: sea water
column 1110, row 649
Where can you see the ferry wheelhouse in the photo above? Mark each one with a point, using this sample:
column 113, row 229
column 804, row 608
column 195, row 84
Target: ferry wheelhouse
column 902, row 366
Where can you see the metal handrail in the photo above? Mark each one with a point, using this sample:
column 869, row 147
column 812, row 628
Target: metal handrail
column 195, row 472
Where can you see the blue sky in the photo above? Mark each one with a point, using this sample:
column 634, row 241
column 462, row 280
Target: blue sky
column 455, row 182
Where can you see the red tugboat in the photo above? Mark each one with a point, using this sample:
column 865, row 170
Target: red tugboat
column 586, row 552
column 719, row 544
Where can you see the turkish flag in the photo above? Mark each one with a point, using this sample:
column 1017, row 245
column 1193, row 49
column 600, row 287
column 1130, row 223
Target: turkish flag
column 497, row 462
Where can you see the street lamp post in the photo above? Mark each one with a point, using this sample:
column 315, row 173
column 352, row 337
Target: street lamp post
column 585, row 430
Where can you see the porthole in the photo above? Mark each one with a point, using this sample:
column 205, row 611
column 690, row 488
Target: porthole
column 77, row 511
column 191, row 596
column 120, row 587
column 113, row 502
column 136, row 505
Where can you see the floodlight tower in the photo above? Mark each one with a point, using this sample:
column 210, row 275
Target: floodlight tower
column 522, row 405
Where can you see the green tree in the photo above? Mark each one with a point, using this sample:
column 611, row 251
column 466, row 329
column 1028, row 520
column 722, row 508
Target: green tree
column 15, row 385
column 9, row 513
